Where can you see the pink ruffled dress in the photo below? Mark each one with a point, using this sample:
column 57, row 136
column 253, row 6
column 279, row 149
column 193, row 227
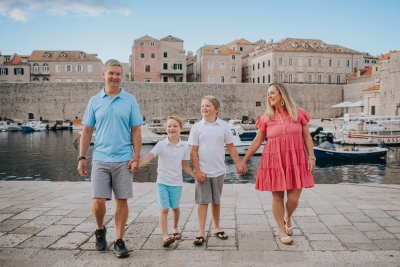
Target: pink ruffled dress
column 284, row 161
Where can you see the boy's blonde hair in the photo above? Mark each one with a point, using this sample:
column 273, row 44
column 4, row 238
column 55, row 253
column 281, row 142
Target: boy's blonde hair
column 176, row 118
column 289, row 104
column 213, row 101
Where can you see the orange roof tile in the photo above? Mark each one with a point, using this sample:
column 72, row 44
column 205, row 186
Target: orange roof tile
column 363, row 72
column 17, row 60
column 373, row 88
column 39, row 55
column 146, row 38
column 243, row 41
column 233, row 51
column 387, row 55
column 222, row 50
column 171, row 38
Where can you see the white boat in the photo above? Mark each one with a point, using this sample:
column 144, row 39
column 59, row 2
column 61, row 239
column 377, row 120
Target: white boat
column 242, row 146
column 370, row 130
column 62, row 124
column 32, row 125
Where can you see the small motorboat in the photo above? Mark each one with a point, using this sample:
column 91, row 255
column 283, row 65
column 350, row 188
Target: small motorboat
column 240, row 145
column 343, row 153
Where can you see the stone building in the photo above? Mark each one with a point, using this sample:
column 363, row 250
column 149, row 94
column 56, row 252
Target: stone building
column 292, row 60
column 155, row 60
column 65, row 66
column 14, row 68
column 215, row 64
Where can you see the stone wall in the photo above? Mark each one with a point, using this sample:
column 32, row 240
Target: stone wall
column 69, row 100
column 354, row 92
column 390, row 86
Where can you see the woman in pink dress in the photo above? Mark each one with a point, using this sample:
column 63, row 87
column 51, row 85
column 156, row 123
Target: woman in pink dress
column 284, row 164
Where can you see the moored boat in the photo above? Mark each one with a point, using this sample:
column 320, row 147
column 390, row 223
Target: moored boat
column 353, row 154
column 242, row 146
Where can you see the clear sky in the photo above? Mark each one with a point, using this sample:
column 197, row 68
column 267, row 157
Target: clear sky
column 108, row 28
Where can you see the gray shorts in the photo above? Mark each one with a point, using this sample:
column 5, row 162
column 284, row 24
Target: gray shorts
column 210, row 190
column 111, row 176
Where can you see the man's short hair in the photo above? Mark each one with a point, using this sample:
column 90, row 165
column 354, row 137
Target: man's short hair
column 112, row 62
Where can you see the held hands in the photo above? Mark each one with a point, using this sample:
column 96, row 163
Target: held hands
column 200, row 176
column 133, row 165
column 241, row 167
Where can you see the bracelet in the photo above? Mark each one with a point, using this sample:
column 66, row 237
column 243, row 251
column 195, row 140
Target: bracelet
column 313, row 158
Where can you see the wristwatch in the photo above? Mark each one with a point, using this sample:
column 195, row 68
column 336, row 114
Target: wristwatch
column 81, row 157
column 313, row 158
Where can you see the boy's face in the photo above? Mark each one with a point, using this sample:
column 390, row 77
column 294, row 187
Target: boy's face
column 208, row 109
column 173, row 128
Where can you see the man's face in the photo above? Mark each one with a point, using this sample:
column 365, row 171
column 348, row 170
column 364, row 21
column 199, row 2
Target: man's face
column 112, row 76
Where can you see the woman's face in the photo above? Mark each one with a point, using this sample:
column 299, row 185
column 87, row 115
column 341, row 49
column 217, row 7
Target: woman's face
column 274, row 97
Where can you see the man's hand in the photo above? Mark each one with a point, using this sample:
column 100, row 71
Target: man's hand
column 133, row 165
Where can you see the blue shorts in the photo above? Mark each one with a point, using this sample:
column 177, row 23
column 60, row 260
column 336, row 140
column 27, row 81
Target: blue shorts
column 168, row 196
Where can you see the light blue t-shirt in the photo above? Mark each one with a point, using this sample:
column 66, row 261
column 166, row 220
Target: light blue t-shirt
column 113, row 119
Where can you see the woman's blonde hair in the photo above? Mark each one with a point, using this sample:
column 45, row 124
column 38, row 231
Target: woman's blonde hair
column 176, row 118
column 289, row 104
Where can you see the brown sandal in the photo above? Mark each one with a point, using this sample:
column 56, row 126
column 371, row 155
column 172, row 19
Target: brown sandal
column 168, row 242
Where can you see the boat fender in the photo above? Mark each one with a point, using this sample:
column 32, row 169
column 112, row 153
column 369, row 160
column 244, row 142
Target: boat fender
column 369, row 140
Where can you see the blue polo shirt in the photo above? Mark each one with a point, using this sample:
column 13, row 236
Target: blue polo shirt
column 113, row 119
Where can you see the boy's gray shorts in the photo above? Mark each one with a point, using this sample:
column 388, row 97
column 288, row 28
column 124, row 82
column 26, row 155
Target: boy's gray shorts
column 210, row 190
column 111, row 176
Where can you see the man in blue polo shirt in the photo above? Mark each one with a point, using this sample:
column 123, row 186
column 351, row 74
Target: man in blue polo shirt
column 117, row 118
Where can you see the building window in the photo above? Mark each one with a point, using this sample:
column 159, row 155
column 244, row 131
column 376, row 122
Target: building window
column 90, row 68
column 222, row 65
column 24, row 59
column 280, row 61
column 45, row 68
column 263, row 64
column 372, row 110
column 233, row 80
column 338, row 63
column 240, row 48
column 141, row 55
column 165, row 79
column 147, row 80
column 348, row 63
column 68, row 80
column 79, row 80
column 320, row 62
column 68, row 68
column 210, row 78
column 309, row 78
column 152, row 55
column 269, row 78
column 79, row 68
column 269, row 62
column 253, row 80
column 165, row 54
column 45, row 79
column 177, row 66
column 90, row 80
column 152, row 44
column 18, row 71
column 3, row 71
column 142, row 44
column 263, row 79
column 81, row 55
column 356, row 63
column 165, row 66
column 233, row 57
column 329, row 78
column 234, row 68
column 366, row 61
column 58, row 68
column 376, row 68
column 63, row 54
column 319, row 78
column 253, row 66
column 147, row 68
column 222, row 79
column 338, row 79
column 330, row 62
column 280, row 77
column 309, row 62
column 258, row 79
column 300, row 62
column 210, row 65
column 36, row 79
column 290, row 61
column 258, row 65
column 290, row 78
column 7, row 58
column 35, row 68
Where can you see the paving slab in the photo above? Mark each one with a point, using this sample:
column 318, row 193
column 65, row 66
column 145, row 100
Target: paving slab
column 334, row 225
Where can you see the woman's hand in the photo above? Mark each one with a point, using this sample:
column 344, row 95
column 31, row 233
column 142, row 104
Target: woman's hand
column 241, row 167
column 311, row 165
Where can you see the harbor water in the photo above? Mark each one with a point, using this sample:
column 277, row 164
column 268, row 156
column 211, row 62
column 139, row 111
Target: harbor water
column 51, row 156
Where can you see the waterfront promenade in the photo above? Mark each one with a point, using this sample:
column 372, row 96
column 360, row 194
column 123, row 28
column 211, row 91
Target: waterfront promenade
column 50, row 224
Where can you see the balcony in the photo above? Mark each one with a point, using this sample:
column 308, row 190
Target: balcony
column 172, row 72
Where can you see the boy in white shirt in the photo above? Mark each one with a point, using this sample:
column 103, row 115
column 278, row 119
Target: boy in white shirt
column 173, row 155
column 207, row 141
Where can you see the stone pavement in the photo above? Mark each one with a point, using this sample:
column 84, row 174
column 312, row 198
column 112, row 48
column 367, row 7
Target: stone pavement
column 50, row 224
